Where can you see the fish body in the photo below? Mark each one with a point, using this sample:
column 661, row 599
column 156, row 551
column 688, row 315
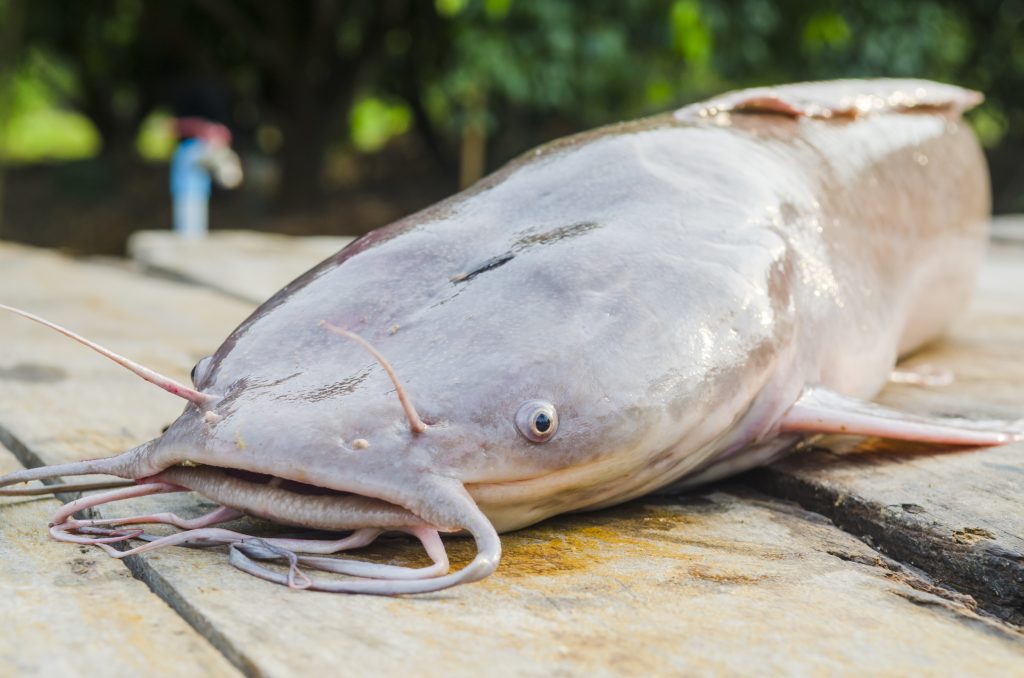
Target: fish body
column 671, row 285
column 674, row 292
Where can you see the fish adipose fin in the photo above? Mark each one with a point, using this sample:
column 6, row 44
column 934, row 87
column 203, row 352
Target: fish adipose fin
column 819, row 410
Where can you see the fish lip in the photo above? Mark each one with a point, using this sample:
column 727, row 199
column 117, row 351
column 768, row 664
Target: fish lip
column 206, row 480
column 410, row 479
column 228, row 459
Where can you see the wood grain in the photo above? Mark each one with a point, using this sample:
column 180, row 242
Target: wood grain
column 959, row 515
column 70, row 610
column 246, row 265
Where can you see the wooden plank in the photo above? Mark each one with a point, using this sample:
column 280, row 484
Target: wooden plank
column 70, row 610
column 957, row 515
column 725, row 582
column 1008, row 229
column 244, row 264
column 113, row 408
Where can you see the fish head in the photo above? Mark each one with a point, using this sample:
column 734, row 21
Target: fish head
column 536, row 371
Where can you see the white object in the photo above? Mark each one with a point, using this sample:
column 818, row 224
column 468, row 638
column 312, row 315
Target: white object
column 191, row 215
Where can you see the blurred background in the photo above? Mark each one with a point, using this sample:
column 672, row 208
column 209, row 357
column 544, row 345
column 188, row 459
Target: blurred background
column 349, row 114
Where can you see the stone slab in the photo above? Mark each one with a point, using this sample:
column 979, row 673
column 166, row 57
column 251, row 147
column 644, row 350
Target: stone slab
column 70, row 610
column 247, row 265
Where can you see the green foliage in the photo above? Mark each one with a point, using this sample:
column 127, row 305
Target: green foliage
column 449, row 7
column 600, row 61
column 522, row 70
column 990, row 123
column 48, row 134
column 373, row 122
column 577, row 60
column 691, row 36
column 156, row 141
column 36, row 126
column 826, row 31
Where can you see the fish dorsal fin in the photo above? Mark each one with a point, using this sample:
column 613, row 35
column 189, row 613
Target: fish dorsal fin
column 819, row 410
column 846, row 99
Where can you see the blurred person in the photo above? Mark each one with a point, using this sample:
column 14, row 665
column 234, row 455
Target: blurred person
column 203, row 155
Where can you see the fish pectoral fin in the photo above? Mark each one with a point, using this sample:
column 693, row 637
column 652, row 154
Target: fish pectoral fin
column 819, row 410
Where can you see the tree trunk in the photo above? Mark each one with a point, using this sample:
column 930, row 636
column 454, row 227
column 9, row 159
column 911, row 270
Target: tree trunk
column 307, row 135
column 473, row 156
column 117, row 133
column 10, row 43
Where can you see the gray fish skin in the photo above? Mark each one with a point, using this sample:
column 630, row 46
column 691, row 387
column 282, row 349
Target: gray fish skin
column 691, row 293
column 670, row 285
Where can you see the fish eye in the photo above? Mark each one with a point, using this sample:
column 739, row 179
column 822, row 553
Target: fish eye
column 199, row 370
column 537, row 420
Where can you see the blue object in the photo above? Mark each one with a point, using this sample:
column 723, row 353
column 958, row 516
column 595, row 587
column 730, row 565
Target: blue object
column 188, row 177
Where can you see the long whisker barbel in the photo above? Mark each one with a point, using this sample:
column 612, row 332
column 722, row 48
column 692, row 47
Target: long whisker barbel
column 416, row 424
column 152, row 376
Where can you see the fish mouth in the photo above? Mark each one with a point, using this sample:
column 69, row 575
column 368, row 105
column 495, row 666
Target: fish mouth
column 290, row 502
column 285, row 501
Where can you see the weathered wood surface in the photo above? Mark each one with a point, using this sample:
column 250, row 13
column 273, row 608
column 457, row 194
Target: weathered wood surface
column 52, row 375
column 72, row 611
column 1008, row 229
column 244, row 264
column 958, row 515
column 724, row 582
